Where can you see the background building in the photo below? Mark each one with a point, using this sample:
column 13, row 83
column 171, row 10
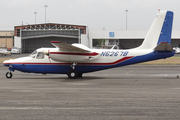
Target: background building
column 124, row 39
column 6, row 39
column 31, row 37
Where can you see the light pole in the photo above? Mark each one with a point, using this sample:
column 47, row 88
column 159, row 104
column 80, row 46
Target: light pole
column 126, row 17
column 35, row 17
column 45, row 12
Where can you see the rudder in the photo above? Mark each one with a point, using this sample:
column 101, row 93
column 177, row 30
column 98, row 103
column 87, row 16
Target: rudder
column 166, row 31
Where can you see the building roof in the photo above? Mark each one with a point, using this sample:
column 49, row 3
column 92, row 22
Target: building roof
column 49, row 26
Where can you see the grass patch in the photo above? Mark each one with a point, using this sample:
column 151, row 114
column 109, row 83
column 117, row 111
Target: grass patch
column 3, row 59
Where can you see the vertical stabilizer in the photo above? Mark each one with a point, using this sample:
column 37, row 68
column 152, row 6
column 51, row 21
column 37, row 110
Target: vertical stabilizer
column 160, row 31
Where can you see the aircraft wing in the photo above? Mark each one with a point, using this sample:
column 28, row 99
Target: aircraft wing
column 73, row 52
column 67, row 47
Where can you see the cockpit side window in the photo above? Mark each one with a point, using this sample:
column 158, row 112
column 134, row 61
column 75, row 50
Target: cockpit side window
column 40, row 55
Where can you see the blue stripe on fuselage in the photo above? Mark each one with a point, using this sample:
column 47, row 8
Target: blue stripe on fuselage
column 148, row 57
column 64, row 69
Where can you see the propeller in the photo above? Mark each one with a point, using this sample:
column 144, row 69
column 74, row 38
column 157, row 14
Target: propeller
column 47, row 52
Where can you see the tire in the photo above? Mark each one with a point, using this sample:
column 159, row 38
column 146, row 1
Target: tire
column 72, row 74
column 9, row 75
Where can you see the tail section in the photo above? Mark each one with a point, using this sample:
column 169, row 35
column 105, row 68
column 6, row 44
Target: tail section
column 159, row 32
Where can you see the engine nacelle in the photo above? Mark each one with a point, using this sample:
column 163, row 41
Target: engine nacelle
column 73, row 57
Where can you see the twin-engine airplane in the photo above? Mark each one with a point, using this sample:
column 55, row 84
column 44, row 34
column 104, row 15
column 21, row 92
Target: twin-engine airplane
column 77, row 59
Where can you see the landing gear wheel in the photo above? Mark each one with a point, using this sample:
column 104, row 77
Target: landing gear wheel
column 72, row 74
column 9, row 75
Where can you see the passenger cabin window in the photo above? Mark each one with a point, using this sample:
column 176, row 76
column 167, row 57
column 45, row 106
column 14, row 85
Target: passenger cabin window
column 40, row 55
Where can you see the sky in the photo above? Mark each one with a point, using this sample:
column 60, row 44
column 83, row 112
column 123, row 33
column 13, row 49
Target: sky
column 96, row 14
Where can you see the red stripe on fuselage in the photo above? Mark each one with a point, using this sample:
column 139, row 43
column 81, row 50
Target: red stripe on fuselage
column 111, row 63
column 67, row 53
column 38, row 63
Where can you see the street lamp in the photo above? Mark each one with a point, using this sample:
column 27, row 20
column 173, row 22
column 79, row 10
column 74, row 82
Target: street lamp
column 45, row 12
column 126, row 17
column 35, row 17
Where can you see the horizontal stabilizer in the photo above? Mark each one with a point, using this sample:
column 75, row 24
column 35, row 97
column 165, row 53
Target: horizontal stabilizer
column 163, row 46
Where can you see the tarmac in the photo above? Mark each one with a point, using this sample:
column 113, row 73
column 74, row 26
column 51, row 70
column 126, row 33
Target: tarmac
column 136, row 92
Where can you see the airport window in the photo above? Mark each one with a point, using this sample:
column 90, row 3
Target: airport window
column 50, row 32
column 5, row 36
column 18, row 32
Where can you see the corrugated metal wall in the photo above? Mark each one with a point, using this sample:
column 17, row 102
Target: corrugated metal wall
column 29, row 45
column 34, row 39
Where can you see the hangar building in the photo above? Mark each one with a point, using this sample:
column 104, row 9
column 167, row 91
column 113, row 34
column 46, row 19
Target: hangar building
column 31, row 37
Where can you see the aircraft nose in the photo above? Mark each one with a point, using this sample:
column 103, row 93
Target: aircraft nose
column 6, row 63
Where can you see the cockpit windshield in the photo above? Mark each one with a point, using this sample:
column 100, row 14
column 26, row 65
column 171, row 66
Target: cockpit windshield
column 36, row 54
column 33, row 54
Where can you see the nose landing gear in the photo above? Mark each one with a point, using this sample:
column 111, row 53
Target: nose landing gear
column 9, row 75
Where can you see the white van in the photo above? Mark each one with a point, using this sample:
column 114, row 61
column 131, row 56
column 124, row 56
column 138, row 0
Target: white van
column 15, row 50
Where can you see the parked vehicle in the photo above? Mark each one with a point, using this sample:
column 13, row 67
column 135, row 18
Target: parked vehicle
column 177, row 50
column 15, row 50
column 3, row 51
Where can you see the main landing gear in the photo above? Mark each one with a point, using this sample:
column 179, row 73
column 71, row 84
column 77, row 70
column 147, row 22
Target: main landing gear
column 9, row 75
column 73, row 74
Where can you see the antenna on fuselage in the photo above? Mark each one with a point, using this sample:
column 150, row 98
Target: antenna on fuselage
column 113, row 47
